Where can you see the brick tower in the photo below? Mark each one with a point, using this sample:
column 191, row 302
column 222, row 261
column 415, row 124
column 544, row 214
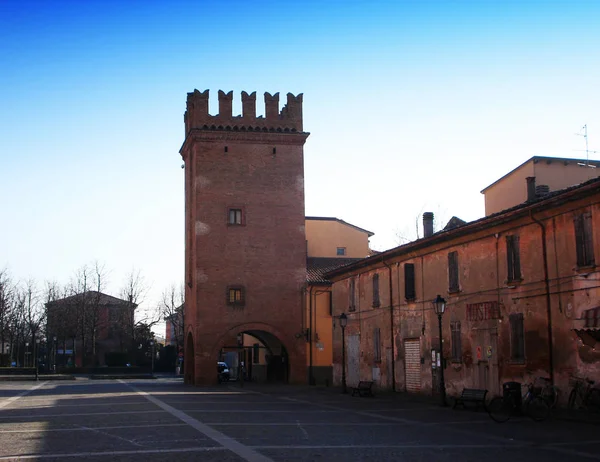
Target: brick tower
column 245, row 251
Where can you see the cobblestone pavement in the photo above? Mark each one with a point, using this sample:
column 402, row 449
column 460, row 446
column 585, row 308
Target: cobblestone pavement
column 165, row 420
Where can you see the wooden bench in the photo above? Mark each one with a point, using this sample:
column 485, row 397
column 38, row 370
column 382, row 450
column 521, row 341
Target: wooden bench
column 471, row 395
column 363, row 388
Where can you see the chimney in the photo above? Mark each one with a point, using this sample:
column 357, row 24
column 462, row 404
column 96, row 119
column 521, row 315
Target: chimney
column 541, row 190
column 530, row 188
column 427, row 224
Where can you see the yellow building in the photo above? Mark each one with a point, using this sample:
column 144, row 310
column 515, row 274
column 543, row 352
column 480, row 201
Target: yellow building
column 330, row 243
column 548, row 173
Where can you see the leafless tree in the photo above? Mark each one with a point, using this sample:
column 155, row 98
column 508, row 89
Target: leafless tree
column 134, row 290
column 6, row 301
column 172, row 309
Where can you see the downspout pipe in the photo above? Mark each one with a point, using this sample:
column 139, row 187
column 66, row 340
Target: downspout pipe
column 548, row 301
column 311, row 379
column 391, row 323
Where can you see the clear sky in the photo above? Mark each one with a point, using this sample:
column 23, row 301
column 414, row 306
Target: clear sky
column 412, row 106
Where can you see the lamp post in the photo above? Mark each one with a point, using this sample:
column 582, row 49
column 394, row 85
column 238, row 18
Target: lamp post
column 240, row 342
column 343, row 323
column 54, row 353
column 152, row 353
column 35, row 353
column 439, row 306
column 26, row 354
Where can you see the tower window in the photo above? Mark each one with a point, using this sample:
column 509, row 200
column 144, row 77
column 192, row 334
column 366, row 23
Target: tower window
column 235, row 216
column 235, row 295
column 341, row 251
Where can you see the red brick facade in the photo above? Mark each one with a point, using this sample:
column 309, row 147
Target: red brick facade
column 252, row 166
column 497, row 321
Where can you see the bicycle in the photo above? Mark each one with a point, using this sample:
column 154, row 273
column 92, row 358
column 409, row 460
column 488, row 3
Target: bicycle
column 502, row 408
column 545, row 390
column 584, row 395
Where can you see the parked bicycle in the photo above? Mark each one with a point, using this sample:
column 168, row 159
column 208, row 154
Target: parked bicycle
column 532, row 404
column 584, row 395
column 543, row 388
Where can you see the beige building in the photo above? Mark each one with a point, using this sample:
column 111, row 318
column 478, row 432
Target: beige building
column 332, row 237
column 549, row 173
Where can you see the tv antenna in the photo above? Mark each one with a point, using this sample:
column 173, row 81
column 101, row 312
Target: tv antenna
column 587, row 151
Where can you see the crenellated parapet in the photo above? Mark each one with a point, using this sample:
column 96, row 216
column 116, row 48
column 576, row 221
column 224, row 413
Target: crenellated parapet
column 288, row 120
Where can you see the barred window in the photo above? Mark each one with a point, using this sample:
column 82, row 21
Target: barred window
column 583, row 239
column 235, row 295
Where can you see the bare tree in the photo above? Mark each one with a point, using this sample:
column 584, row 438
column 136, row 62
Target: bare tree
column 135, row 322
column 6, row 298
column 172, row 309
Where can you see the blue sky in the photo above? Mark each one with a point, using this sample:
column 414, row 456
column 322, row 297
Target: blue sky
column 412, row 106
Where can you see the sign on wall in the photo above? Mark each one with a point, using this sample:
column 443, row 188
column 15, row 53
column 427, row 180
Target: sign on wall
column 482, row 311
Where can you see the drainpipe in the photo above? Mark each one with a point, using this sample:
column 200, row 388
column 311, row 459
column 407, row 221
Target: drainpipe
column 548, row 304
column 391, row 324
column 310, row 336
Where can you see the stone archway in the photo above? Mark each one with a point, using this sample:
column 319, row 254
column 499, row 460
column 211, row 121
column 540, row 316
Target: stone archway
column 190, row 360
column 286, row 361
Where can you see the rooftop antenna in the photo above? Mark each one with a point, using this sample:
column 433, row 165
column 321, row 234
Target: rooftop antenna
column 587, row 151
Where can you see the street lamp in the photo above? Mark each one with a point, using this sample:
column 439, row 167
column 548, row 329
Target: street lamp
column 240, row 342
column 54, row 353
column 35, row 353
column 343, row 324
column 152, row 348
column 439, row 306
column 26, row 354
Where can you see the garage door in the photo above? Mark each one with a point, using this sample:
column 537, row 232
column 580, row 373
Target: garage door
column 412, row 359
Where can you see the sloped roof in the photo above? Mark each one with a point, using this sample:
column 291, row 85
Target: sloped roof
column 342, row 222
column 317, row 266
column 454, row 222
column 536, row 159
column 540, row 203
column 103, row 299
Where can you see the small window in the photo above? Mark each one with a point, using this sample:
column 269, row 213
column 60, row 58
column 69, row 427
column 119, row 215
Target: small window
column 513, row 258
column 409, row 281
column 352, row 295
column 235, row 295
column 583, row 240
column 376, row 301
column 235, row 217
column 377, row 345
column 453, row 272
column 341, row 251
column 456, row 344
column 517, row 341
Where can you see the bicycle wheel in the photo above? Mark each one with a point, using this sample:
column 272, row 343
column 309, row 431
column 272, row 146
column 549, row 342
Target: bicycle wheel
column 499, row 409
column 537, row 409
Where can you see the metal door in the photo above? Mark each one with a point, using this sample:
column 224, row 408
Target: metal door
column 352, row 360
column 412, row 359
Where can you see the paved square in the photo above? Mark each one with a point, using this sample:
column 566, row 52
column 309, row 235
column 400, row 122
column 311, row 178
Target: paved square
column 165, row 420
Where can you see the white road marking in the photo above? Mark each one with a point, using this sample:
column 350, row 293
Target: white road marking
column 80, row 429
column 303, row 430
column 20, row 395
column 234, row 446
column 100, row 432
column 111, row 453
column 37, row 416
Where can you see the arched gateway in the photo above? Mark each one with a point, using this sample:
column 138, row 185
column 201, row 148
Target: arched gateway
column 244, row 228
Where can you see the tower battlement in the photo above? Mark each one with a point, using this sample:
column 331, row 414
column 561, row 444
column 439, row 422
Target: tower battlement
column 288, row 120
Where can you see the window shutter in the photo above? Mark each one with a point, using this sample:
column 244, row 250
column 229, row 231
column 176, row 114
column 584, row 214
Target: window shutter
column 409, row 281
column 453, row 272
column 579, row 240
column 376, row 289
column 516, row 258
column 377, row 344
column 588, row 239
column 509, row 258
